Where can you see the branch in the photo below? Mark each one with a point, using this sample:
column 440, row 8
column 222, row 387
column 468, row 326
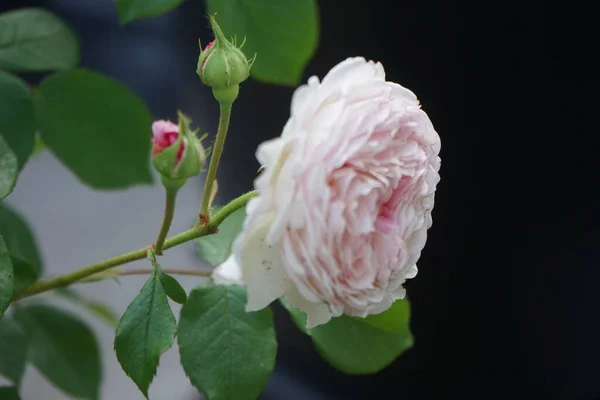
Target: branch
column 170, row 271
column 185, row 236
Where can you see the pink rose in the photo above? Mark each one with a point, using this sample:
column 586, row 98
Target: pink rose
column 164, row 134
column 345, row 198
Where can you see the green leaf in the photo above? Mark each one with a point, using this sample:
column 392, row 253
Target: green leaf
column 7, row 278
column 357, row 346
column 130, row 10
column 226, row 352
column 96, row 127
column 25, row 273
column 13, row 350
column 172, row 288
column 395, row 319
column 32, row 39
column 9, row 169
column 217, row 247
column 146, row 330
column 100, row 310
column 63, row 349
column 9, row 393
column 17, row 117
column 22, row 247
column 283, row 34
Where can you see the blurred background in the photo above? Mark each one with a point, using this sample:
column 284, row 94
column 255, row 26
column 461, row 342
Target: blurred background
column 505, row 301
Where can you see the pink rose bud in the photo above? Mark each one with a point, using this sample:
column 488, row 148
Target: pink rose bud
column 204, row 56
column 177, row 153
column 345, row 199
column 164, row 134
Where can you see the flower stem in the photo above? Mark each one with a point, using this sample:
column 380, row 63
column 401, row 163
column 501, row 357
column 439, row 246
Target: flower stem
column 225, row 113
column 171, row 196
column 170, row 271
column 185, row 236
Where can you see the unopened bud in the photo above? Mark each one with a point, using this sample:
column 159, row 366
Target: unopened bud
column 222, row 66
column 177, row 154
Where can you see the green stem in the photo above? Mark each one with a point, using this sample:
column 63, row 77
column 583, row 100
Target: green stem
column 186, row 236
column 167, row 219
column 170, row 271
column 225, row 113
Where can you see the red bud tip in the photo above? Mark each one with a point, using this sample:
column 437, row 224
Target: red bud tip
column 165, row 133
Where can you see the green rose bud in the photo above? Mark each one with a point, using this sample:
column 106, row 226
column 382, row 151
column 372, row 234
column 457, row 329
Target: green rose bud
column 177, row 154
column 222, row 66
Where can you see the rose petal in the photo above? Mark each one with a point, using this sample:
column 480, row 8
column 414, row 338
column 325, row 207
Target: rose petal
column 262, row 270
column 316, row 313
column 353, row 71
column 160, row 127
column 228, row 273
column 412, row 272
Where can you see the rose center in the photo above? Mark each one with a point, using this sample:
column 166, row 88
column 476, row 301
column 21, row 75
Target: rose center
column 386, row 219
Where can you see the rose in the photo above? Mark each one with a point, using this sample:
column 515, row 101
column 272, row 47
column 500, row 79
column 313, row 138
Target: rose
column 345, row 198
column 164, row 134
column 177, row 154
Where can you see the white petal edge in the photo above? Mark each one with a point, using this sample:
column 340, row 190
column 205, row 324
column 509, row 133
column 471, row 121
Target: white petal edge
column 260, row 263
column 412, row 272
column 387, row 302
column 354, row 70
column 228, row 273
column 316, row 313
column 399, row 90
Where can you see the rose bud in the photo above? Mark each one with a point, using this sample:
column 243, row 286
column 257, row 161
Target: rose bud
column 222, row 66
column 177, row 154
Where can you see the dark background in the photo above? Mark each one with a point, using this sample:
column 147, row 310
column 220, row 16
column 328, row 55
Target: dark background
column 505, row 301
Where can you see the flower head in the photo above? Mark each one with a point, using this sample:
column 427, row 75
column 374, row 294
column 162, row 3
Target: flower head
column 222, row 66
column 345, row 198
column 164, row 134
column 177, row 154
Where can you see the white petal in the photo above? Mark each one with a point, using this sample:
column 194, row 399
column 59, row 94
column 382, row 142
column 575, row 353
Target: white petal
column 316, row 313
column 228, row 273
column 303, row 97
column 399, row 90
column 380, row 307
column 412, row 272
column 354, row 71
column 262, row 270
column 387, row 302
column 268, row 152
